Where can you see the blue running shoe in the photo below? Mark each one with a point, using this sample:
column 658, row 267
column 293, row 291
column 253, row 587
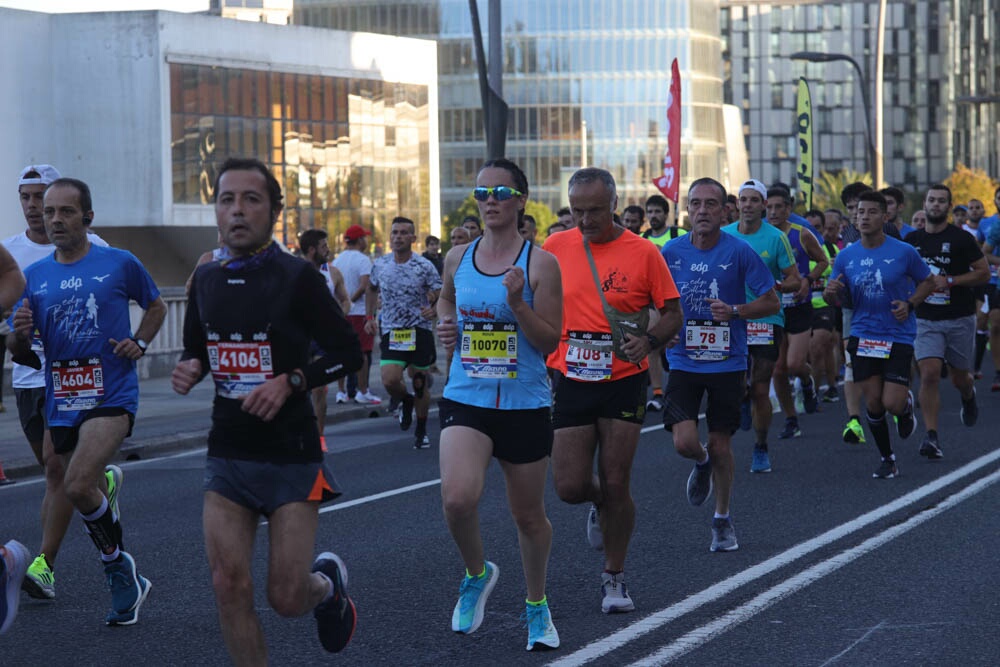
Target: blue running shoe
column 336, row 618
column 761, row 461
column 128, row 590
column 10, row 582
column 541, row 633
column 746, row 415
column 471, row 605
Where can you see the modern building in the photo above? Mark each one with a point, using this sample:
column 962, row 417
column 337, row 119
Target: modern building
column 936, row 54
column 145, row 106
column 278, row 12
column 586, row 82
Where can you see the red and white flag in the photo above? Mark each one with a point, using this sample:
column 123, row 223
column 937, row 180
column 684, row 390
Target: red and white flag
column 669, row 181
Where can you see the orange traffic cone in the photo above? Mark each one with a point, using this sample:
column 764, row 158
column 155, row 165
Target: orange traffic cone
column 3, row 477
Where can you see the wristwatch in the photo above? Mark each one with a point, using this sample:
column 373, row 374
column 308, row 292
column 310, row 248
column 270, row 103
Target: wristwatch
column 951, row 280
column 735, row 312
column 654, row 342
column 296, row 380
column 142, row 344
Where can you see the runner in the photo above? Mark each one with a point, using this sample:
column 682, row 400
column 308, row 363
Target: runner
column 264, row 456
column 710, row 356
column 409, row 287
column 879, row 274
column 496, row 402
column 77, row 303
column 611, row 278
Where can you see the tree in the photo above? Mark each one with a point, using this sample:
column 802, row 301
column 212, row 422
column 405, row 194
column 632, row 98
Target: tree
column 829, row 185
column 542, row 214
column 966, row 184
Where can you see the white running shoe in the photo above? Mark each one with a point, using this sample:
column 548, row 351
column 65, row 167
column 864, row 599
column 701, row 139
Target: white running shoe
column 341, row 397
column 616, row 597
column 367, row 398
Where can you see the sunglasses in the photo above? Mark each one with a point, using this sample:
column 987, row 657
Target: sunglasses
column 501, row 192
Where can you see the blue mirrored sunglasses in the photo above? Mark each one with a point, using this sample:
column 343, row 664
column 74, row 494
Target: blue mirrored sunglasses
column 501, row 192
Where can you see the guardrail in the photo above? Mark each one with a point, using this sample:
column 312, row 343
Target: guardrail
column 165, row 348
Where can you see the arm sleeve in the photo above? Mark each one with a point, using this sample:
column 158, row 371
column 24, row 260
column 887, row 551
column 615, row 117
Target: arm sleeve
column 326, row 324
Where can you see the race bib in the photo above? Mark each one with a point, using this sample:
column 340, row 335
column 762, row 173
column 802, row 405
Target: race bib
column 403, row 340
column 239, row 368
column 942, row 298
column 787, row 299
column 760, row 333
column 874, row 348
column 706, row 340
column 77, row 384
column 489, row 350
column 589, row 356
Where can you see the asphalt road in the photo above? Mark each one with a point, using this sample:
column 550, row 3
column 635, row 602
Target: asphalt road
column 834, row 568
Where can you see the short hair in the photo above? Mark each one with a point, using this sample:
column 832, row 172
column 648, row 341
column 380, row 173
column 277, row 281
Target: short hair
column 400, row 220
column 853, row 191
column 814, row 212
column 520, row 180
column 82, row 190
column 658, row 200
column 563, row 211
column 310, row 238
column 779, row 191
column 555, row 227
column 872, row 196
column 940, row 186
column 592, row 175
column 527, row 220
column 733, row 199
column 473, row 218
column 705, row 180
column 252, row 164
column 895, row 193
column 635, row 208
column 430, row 238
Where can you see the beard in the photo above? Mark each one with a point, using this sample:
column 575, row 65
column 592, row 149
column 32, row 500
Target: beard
column 932, row 220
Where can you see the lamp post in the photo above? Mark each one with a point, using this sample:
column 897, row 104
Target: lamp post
column 819, row 57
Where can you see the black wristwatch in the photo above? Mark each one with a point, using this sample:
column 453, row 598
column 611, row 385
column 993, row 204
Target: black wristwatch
column 909, row 307
column 296, row 380
column 654, row 342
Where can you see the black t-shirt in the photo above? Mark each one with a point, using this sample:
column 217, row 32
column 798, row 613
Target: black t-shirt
column 253, row 323
column 949, row 252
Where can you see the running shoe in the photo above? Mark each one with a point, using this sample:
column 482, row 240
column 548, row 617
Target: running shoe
column 341, row 397
column 970, row 410
column 791, row 430
column 761, row 462
column 615, row 591
column 541, row 633
column 655, row 404
column 978, row 375
column 594, row 535
column 809, row 399
column 831, row 395
column 746, row 415
column 421, row 441
column 929, row 448
column 367, row 398
column 128, row 590
column 996, row 383
column 10, row 582
column 115, row 476
column 699, row 485
column 406, row 413
column 906, row 422
column 39, row 582
column 336, row 617
column 472, row 595
column 723, row 535
column 854, row 432
column 887, row 470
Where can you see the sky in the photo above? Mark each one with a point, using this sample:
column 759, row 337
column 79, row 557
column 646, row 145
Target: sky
column 62, row 6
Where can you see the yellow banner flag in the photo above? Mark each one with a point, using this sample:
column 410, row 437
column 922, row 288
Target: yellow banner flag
column 804, row 126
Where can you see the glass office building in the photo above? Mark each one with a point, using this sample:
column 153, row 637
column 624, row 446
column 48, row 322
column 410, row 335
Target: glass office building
column 346, row 151
column 585, row 81
column 975, row 66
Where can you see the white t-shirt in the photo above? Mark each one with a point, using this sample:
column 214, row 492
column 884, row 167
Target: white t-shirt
column 354, row 264
column 26, row 252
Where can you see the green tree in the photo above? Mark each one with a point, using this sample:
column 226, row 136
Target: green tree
column 966, row 184
column 829, row 184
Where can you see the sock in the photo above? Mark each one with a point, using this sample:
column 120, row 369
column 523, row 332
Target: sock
column 614, row 572
column 982, row 338
column 852, row 417
column 657, row 393
column 721, row 516
column 540, row 603
column 880, row 431
column 421, row 426
column 932, row 434
column 101, row 526
column 761, row 445
column 477, row 576
column 329, row 593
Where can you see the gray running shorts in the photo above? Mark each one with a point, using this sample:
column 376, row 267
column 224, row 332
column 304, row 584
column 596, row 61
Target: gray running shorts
column 264, row 487
column 951, row 340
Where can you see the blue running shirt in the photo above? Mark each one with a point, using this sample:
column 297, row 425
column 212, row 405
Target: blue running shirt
column 77, row 308
column 729, row 271
column 773, row 247
column 875, row 277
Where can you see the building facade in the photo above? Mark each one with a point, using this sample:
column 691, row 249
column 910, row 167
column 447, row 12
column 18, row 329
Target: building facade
column 586, row 82
column 149, row 105
column 935, row 53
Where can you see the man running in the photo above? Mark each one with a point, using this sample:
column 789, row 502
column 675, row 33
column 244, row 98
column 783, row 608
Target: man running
column 264, row 456
column 409, row 286
column 879, row 273
column 710, row 356
column 92, row 393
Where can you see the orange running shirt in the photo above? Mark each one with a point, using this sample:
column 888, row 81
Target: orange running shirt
column 633, row 275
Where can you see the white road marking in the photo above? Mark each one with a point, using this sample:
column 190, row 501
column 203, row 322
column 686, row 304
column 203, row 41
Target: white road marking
column 699, row 636
column 656, row 620
column 379, row 496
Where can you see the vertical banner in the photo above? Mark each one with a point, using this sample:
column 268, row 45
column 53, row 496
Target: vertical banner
column 804, row 127
column 669, row 182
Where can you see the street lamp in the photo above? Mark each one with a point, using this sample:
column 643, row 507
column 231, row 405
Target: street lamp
column 820, row 57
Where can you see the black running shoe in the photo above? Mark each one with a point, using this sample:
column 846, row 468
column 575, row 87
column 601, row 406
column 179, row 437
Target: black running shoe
column 907, row 421
column 970, row 410
column 406, row 413
column 887, row 470
column 929, row 448
column 336, row 617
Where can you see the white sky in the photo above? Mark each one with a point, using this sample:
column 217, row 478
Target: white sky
column 62, row 6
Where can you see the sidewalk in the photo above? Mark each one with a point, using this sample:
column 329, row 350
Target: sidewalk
column 167, row 422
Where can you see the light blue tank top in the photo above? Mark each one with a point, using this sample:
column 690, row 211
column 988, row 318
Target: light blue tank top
column 494, row 365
